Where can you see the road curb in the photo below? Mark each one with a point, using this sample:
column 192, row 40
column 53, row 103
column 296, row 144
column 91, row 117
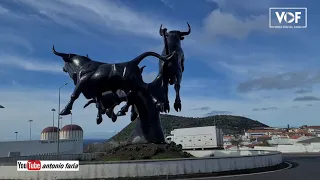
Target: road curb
column 289, row 166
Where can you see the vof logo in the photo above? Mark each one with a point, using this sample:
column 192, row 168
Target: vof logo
column 288, row 17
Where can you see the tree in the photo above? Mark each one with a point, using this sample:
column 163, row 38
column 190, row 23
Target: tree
column 264, row 143
column 236, row 141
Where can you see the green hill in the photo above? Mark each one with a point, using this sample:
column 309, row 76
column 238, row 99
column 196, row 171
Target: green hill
column 229, row 124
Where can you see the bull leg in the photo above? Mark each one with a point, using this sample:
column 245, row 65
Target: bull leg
column 125, row 108
column 177, row 102
column 110, row 113
column 117, row 100
column 75, row 95
column 134, row 113
column 99, row 115
column 166, row 103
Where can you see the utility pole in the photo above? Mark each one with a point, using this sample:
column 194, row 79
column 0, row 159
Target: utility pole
column 16, row 135
column 58, row 140
column 71, row 121
column 30, row 121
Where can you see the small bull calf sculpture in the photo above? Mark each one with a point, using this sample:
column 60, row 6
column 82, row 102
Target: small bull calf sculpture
column 93, row 78
column 173, row 70
column 110, row 100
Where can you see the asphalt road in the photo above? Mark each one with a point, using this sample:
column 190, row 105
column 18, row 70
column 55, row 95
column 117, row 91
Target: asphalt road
column 305, row 167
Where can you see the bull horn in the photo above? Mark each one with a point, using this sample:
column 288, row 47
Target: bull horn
column 160, row 30
column 186, row 33
column 60, row 54
column 141, row 69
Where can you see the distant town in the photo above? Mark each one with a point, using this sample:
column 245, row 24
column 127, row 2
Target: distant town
column 302, row 139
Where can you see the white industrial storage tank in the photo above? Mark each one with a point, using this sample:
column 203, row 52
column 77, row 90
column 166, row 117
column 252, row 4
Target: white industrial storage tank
column 49, row 134
column 71, row 132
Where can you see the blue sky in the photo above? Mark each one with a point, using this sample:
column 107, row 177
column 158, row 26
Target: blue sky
column 234, row 63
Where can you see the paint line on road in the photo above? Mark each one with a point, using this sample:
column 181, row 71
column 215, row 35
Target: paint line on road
column 238, row 175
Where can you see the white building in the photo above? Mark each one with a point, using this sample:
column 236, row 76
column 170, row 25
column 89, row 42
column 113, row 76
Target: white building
column 313, row 129
column 71, row 142
column 206, row 137
column 253, row 133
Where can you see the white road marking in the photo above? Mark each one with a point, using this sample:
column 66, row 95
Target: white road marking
column 237, row 175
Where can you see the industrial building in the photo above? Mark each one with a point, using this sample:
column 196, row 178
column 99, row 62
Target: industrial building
column 207, row 137
column 70, row 142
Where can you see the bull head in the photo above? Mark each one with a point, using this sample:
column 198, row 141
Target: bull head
column 163, row 32
column 68, row 67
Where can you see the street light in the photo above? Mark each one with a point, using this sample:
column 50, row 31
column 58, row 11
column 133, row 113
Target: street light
column 16, row 135
column 30, row 121
column 53, row 110
column 1, row 106
column 59, row 119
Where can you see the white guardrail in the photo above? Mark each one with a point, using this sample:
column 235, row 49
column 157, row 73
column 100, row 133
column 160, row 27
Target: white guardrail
column 148, row 168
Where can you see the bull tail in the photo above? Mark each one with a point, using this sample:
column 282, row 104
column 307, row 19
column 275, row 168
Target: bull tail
column 139, row 58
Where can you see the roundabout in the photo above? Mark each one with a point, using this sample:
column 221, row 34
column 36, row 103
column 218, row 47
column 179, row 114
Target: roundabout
column 301, row 166
column 156, row 169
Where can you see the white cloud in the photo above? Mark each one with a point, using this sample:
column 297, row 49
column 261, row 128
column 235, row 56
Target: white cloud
column 3, row 10
column 101, row 15
column 14, row 82
column 245, row 5
column 167, row 3
column 6, row 39
column 30, row 64
column 224, row 24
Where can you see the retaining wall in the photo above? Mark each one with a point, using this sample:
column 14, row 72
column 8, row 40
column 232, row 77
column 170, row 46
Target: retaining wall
column 95, row 170
column 295, row 148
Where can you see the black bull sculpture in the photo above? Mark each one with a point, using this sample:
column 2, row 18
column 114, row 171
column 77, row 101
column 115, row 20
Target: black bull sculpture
column 93, row 78
column 173, row 70
column 99, row 82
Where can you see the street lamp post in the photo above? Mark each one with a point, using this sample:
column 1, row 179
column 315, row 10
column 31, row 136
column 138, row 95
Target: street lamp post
column 58, row 140
column 71, row 121
column 60, row 119
column 53, row 110
column 30, row 121
column 16, row 135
